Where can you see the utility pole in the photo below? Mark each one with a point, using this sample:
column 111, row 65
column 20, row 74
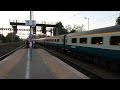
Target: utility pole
column 30, row 48
column 88, row 22
column 30, row 23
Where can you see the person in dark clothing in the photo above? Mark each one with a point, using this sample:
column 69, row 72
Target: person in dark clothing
column 27, row 43
column 33, row 44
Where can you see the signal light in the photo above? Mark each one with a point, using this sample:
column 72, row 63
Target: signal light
column 44, row 29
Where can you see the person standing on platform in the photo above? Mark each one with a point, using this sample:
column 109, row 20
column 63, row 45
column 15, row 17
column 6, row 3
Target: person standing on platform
column 27, row 43
column 33, row 43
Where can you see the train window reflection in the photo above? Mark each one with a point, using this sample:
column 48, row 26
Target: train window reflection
column 57, row 40
column 115, row 40
column 83, row 40
column 97, row 40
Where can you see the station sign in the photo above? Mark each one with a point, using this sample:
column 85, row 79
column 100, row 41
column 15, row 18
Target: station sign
column 30, row 22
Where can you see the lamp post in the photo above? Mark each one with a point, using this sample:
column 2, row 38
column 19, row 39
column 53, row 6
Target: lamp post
column 88, row 22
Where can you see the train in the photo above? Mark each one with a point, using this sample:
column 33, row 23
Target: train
column 102, row 43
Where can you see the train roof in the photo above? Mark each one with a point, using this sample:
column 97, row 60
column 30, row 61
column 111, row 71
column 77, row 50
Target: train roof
column 39, row 39
column 96, row 31
column 56, row 36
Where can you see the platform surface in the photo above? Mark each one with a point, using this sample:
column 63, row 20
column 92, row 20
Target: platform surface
column 42, row 65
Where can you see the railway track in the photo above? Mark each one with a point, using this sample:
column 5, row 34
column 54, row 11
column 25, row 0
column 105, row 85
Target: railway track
column 90, row 70
column 7, row 47
column 10, row 51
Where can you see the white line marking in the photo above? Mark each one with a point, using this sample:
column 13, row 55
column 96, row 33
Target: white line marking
column 27, row 76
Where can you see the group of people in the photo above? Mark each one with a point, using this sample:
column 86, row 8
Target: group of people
column 29, row 44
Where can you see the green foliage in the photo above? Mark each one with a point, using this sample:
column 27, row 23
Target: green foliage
column 75, row 28
column 9, row 38
column 17, row 39
column 2, row 38
column 73, row 31
column 118, row 21
column 59, row 30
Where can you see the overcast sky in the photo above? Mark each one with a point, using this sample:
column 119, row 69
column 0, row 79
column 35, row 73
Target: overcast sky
column 97, row 19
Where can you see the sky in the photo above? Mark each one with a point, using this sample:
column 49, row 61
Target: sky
column 97, row 19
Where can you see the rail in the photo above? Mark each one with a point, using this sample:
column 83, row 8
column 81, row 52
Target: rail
column 90, row 70
column 2, row 57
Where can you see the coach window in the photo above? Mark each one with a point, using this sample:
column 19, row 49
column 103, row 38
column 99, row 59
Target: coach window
column 97, row 40
column 74, row 40
column 57, row 40
column 83, row 40
column 115, row 40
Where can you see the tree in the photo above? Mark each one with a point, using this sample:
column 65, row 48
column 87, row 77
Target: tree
column 2, row 38
column 12, row 38
column 118, row 20
column 17, row 39
column 59, row 30
column 9, row 37
column 68, row 27
column 72, row 31
column 78, row 28
column 75, row 28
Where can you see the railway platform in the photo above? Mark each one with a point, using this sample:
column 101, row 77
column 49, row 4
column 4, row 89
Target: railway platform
column 42, row 65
